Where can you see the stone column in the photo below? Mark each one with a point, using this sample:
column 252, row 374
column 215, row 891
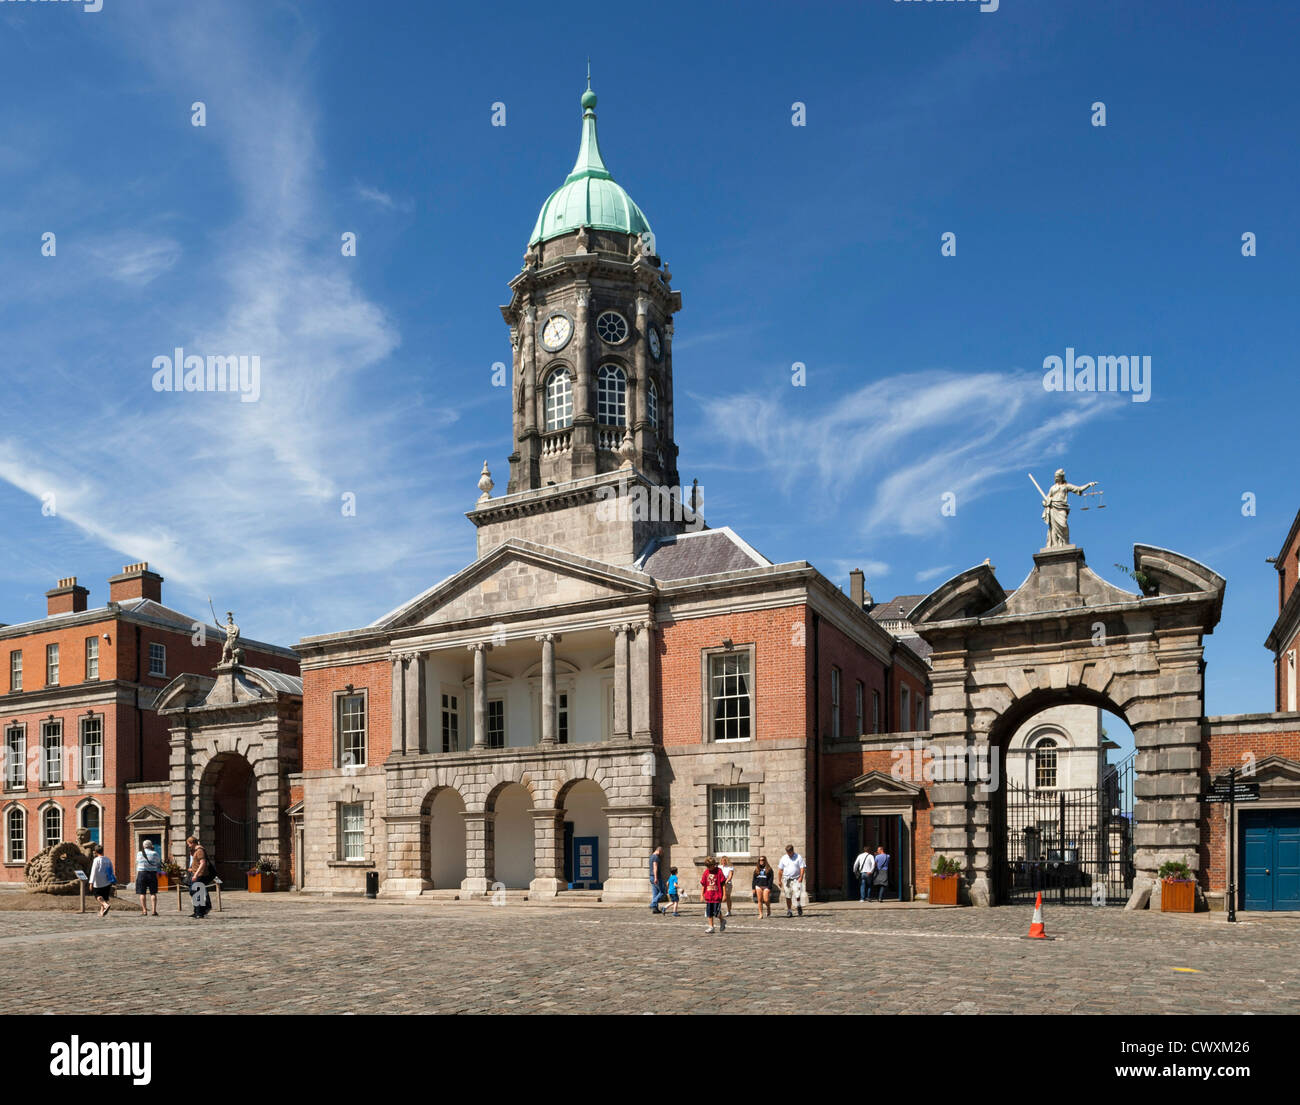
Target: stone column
column 398, row 710
column 407, row 874
column 621, row 711
column 548, row 853
column 632, row 836
column 416, row 706
column 949, row 819
column 640, row 683
column 272, row 792
column 184, row 791
column 480, row 652
column 584, row 415
column 548, row 687
column 480, row 858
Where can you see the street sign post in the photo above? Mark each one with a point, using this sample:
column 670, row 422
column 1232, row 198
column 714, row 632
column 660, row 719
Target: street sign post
column 1232, row 792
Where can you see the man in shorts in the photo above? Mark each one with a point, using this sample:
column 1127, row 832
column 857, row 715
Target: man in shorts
column 148, row 866
column 790, row 874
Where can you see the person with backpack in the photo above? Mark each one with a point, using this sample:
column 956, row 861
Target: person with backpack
column 148, row 866
column 201, row 874
column 102, row 880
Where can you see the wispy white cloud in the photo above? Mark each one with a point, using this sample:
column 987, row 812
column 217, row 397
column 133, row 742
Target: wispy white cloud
column 942, row 572
column 382, row 199
column 132, row 257
column 904, row 442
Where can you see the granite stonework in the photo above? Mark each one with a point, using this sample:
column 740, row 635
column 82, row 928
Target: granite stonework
column 240, row 713
column 1065, row 635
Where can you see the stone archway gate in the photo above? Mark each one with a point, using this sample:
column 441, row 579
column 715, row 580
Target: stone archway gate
column 1066, row 635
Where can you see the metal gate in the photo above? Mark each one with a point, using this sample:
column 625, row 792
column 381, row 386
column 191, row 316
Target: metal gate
column 234, row 846
column 1076, row 846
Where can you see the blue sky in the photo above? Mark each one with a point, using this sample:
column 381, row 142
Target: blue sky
column 817, row 244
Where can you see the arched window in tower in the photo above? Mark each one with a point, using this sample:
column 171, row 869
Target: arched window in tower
column 652, row 403
column 1045, row 764
column 611, row 396
column 559, row 400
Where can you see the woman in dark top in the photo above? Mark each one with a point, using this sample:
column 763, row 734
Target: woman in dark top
column 764, row 880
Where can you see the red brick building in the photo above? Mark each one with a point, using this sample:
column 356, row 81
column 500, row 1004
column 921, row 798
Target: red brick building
column 83, row 747
column 1263, row 749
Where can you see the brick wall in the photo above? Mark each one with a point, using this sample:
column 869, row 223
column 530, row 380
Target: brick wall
column 318, row 689
column 1225, row 744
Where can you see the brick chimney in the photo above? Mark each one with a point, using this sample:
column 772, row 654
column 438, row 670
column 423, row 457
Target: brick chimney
column 66, row 598
column 857, row 585
column 135, row 582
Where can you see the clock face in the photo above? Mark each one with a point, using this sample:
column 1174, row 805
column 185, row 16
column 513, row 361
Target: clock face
column 656, row 345
column 556, row 332
column 612, row 327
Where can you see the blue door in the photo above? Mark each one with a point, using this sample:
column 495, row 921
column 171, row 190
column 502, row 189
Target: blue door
column 1270, row 859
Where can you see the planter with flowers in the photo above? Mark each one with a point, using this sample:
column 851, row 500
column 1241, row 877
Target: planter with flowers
column 261, row 876
column 946, row 881
column 1177, row 888
column 173, row 874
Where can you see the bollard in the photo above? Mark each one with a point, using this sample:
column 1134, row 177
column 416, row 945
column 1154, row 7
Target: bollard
column 179, row 908
column 372, row 884
column 217, row 883
column 81, row 890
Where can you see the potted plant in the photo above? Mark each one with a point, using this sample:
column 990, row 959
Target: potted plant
column 261, row 876
column 172, row 873
column 1178, row 888
column 945, row 881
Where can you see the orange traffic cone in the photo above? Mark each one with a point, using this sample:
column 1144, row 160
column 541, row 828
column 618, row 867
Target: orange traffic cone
column 1036, row 930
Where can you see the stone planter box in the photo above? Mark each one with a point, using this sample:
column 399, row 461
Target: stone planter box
column 943, row 889
column 1178, row 896
column 260, row 884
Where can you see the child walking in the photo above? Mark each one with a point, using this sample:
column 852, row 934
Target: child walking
column 674, row 891
column 712, row 881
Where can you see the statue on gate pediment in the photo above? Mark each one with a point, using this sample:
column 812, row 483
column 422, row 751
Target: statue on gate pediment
column 1056, row 508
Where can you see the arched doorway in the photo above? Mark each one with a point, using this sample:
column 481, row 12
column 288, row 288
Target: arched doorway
column 586, row 835
column 512, row 829
column 228, row 816
column 1066, row 636
column 1064, row 816
column 445, row 825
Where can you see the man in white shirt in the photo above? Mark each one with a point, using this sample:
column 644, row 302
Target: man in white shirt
column 863, row 867
column 790, row 874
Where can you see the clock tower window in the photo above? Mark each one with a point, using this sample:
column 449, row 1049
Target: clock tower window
column 652, row 403
column 611, row 396
column 559, row 400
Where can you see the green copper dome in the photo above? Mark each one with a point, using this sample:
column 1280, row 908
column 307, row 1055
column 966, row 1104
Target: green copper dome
column 589, row 196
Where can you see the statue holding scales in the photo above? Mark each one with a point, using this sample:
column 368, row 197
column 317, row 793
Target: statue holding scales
column 1056, row 507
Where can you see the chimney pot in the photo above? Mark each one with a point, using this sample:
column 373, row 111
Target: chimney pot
column 135, row 581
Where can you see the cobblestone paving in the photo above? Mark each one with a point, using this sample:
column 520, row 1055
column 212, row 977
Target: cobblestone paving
column 284, row 954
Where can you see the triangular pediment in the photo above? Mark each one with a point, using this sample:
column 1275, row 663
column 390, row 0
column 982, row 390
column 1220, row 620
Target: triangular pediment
column 876, row 784
column 148, row 814
column 519, row 576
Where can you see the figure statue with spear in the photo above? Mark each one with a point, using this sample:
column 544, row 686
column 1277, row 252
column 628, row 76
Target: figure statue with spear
column 1056, row 507
column 230, row 653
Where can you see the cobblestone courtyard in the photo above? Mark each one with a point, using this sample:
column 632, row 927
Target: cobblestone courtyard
column 282, row 954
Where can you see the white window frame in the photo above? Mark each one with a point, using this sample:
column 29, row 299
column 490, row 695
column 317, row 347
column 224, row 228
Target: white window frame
column 99, row 813
column 45, row 812
column 21, row 821
column 558, row 400
column 729, row 800
column 621, row 325
column 341, row 746
column 89, row 778
column 15, row 757
column 352, row 832
column 708, row 658
column 1047, row 744
column 16, row 670
column 158, row 660
column 92, row 659
column 451, row 738
column 652, row 403
column 51, row 730
column 500, row 703
column 52, row 665
column 611, row 395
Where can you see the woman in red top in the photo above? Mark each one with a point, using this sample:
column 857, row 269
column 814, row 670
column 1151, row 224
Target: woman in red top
column 713, row 881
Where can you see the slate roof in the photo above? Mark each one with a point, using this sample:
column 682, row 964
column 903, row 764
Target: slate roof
column 703, row 553
column 896, row 609
column 279, row 681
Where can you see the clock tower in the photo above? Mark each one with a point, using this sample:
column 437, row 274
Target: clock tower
column 591, row 324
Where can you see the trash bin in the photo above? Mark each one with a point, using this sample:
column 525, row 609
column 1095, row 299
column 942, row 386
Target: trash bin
column 372, row 884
